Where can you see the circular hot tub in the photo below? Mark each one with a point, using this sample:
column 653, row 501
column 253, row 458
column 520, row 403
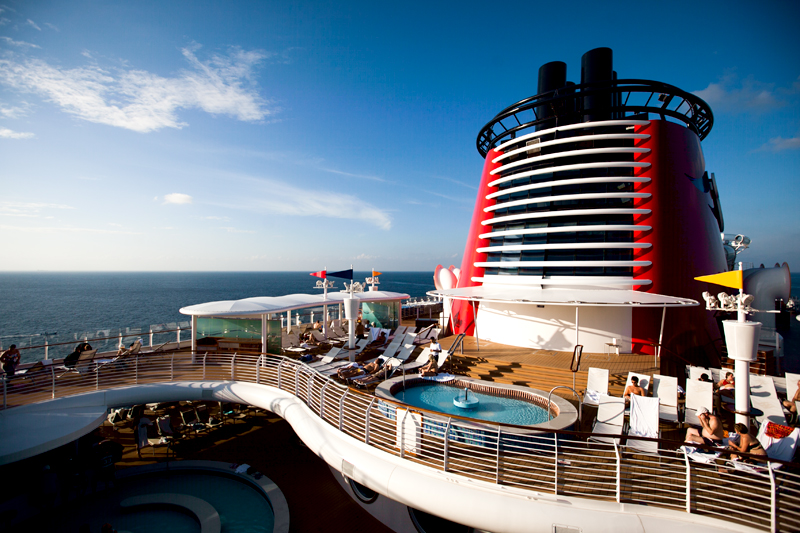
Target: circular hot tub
column 485, row 401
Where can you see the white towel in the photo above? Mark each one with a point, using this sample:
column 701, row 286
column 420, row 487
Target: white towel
column 242, row 469
column 441, row 378
column 592, row 396
column 644, row 417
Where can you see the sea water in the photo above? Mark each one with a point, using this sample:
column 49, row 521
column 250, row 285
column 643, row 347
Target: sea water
column 66, row 307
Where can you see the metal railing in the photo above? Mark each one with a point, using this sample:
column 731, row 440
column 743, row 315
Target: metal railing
column 552, row 461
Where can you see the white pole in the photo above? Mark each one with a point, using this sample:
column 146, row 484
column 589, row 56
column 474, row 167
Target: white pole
column 577, row 316
column 289, row 321
column 194, row 336
column 264, row 333
column 45, row 348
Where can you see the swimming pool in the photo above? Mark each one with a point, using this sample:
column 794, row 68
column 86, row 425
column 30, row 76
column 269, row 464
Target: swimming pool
column 498, row 403
column 172, row 500
column 439, row 397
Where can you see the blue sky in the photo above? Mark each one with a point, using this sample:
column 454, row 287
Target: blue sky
column 284, row 136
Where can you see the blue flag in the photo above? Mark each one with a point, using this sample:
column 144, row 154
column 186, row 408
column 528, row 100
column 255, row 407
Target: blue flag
column 342, row 274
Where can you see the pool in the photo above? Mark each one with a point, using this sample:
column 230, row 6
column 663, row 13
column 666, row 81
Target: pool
column 498, row 403
column 439, row 397
column 180, row 497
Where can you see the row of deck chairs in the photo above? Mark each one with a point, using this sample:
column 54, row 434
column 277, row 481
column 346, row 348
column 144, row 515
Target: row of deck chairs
column 763, row 391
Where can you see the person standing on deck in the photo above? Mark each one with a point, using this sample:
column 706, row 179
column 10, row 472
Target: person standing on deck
column 10, row 360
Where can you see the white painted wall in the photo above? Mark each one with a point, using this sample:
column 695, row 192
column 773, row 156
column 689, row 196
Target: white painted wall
column 552, row 327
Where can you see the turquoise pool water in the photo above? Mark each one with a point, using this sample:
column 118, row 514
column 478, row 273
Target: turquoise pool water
column 241, row 507
column 439, row 397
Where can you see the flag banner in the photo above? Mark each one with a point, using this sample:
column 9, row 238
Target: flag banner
column 733, row 279
column 375, row 274
column 342, row 274
column 321, row 274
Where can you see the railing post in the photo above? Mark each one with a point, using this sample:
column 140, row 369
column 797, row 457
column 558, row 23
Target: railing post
column 280, row 367
column 341, row 409
column 403, row 434
column 151, row 336
column 179, row 337
column 322, row 400
column 172, row 368
column 619, row 472
column 96, row 377
column 53, row 378
column 773, row 501
column 136, row 365
column 366, row 425
column 233, row 367
column 4, row 392
column 688, row 481
column 258, row 369
column 45, row 348
column 297, row 381
column 447, row 444
column 555, row 463
column 497, row 465
column 204, row 365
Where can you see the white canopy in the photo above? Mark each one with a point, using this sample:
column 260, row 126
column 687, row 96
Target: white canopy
column 277, row 304
column 568, row 297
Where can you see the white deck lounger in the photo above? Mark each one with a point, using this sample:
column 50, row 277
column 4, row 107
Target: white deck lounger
column 696, row 371
column 644, row 423
column 698, row 394
column 665, row 388
column 596, row 384
column 764, row 398
column 419, row 362
column 791, row 388
column 610, row 419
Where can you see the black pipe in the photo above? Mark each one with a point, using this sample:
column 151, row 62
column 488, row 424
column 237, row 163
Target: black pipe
column 596, row 66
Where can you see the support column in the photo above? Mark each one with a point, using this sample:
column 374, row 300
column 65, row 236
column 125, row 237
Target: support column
column 194, row 336
column 264, row 319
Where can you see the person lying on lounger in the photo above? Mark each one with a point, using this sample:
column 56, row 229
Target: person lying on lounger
column 727, row 383
column 355, row 369
column 374, row 370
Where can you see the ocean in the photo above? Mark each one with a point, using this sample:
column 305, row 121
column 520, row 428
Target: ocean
column 66, row 307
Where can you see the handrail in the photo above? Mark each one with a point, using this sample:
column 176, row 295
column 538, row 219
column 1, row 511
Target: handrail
column 580, row 403
column 494, row 453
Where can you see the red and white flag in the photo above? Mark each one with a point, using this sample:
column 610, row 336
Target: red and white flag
column 321, row 274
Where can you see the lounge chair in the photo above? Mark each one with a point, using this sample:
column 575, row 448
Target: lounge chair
column 698, row 394
column 327, row 358
column 204, row 416
column 644, row 381
column 665, row 388
column 695, row 372
column 764, row 398
column 644, row 423
column 385, row 372
column 83, row 364
column 192, row 422
column 394, row 346
column 419, row 362
column 596, row 384
column 610, row 419
column 791, row 389
column 404, row 352
column 228, row 411
column 399, row 332
column 782, row 449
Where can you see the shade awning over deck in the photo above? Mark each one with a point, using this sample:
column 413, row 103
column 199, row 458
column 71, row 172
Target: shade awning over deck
column 263, row 305
column 567, row 297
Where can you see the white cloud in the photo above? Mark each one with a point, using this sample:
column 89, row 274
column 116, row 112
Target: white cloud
column 363, row 176
column 284, row 199
column 732, row 94
column 3, row 21
column 142, row 101
column 461, row 183
column 14, row 111
column 364, row 257
column 779, row 144
column 12, row 42
column 177, row 198
column 6, row 133
column 27, row 209
column 33, row 25
column 224, row 219
column 51, row 26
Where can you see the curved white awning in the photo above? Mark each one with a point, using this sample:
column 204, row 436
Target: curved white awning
column 278, row 304
column 568, row 297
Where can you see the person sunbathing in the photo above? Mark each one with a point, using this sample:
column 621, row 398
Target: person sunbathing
column 432, row 367
column 789, row 404
column 355, row 369
column 373, row 369
column 726, row 383
column 747, row 443
column 711, row 432
column 133, row 347
column 633, row 388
